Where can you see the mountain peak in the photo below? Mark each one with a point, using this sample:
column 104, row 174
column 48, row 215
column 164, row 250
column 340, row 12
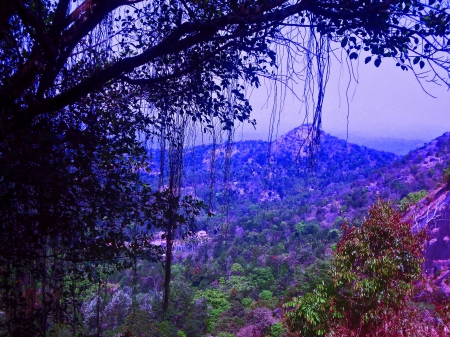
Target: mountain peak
column 295, row 141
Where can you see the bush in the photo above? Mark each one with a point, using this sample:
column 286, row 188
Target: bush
column 218, row 302
column 262, row 318
column 334, row 234
column 374, row 269
column 276, row 330
column 412, row 199
column 249, row 330
column 237, row 269
column 138, row 323
column 247, row 302
column 446, row 176
column 227, row 326
column 242, row 283
column 263, row 278
column 266, row 295
column 307, row 229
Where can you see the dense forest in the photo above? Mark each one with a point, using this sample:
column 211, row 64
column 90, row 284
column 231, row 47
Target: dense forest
column 242, row 270
column 238, row 273
column 114, row 223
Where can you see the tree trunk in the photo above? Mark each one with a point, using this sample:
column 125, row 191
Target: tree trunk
column 168, row 264
column 99, row 323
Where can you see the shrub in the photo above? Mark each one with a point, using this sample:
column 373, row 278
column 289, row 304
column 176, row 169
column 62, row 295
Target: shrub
column 263, row 278
column 247, row 302
column 276, row 330
column 266, row 295
column 218, row 302
column 374, row 269
column 249, row 330
column 412, row 199
column 334, row 234
column 237, row 269
column 262, row 318
column 138, row 324
column 446, row 176
column 307, row 229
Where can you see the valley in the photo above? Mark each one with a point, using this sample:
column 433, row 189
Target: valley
column 278, row 214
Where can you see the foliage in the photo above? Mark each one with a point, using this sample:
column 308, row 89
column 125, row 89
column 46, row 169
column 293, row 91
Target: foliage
column 376, row 264
column 225, row 334
column 249, row 330
column 313, row 275
column 313, row 313
column 138, row 323
column 226, row 325
column 412, row 199
column 276, row 330
column 373, row 269
column 247, row 302
column 236, row 268
column 307, row 229
column 263, row 277
column 242, row 283
column 218, row 302
column 261, row 318
column 266, row 295
column 118, row 308
column 446, row 176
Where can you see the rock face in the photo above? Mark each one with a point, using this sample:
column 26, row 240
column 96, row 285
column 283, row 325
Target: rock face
column 433, row 213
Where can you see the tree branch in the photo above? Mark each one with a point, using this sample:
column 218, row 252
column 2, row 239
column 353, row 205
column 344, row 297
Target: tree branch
column 194, row 32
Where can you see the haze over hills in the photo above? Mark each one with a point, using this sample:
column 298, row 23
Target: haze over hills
column 399, row 146
column 344, row 175
column 253, row 179
column 399, row 143
column 282, row 171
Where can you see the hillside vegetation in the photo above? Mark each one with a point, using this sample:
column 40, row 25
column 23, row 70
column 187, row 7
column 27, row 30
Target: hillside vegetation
column 273, row 259
column 278, row 219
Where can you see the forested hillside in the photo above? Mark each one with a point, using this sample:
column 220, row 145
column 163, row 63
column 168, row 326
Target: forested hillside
column 249, row 178
column 261, row 248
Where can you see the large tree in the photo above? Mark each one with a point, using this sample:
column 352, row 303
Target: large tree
column 164, row 45
column 84, row 83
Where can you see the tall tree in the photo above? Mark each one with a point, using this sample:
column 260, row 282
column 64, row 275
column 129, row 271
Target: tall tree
column 163, row 46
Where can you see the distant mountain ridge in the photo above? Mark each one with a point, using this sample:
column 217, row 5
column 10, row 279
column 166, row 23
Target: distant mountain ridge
column 352, row 175
column 258, row 185
column 252, row 172
column 399, row 146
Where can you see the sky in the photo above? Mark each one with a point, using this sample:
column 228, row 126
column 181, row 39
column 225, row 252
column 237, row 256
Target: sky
column 384, row 102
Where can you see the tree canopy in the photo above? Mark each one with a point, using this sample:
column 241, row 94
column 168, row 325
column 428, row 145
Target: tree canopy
column 57, row 53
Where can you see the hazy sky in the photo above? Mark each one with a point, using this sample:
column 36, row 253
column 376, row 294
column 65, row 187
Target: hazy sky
column 386, row 102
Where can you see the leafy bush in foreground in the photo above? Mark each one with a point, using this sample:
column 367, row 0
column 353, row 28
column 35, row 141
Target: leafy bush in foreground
column 373, row 270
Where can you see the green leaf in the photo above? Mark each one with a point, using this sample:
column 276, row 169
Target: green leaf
column 421, row 64
column 344, row 42
column 353, row 56
column 377, row 62
column 367, row 59
column 416, row 60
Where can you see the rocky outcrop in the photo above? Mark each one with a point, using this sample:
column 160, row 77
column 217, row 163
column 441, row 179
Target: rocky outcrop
column 433, row 214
